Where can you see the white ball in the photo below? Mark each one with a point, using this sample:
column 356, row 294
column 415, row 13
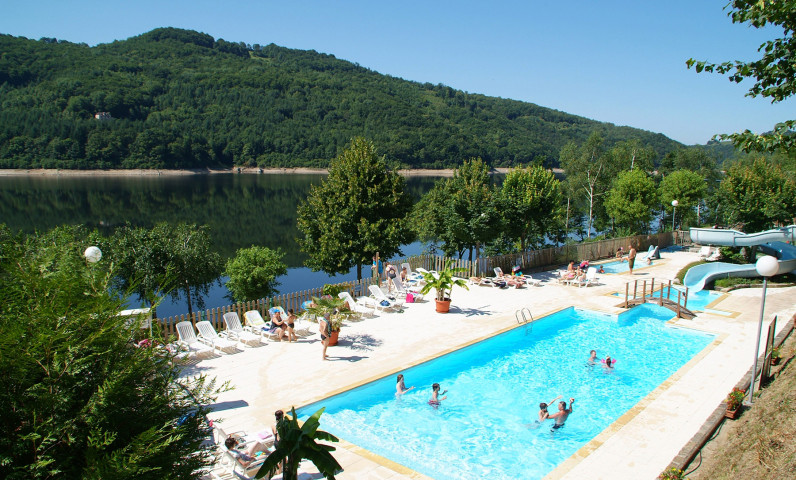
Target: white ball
column 93, row 254
column 767, row 266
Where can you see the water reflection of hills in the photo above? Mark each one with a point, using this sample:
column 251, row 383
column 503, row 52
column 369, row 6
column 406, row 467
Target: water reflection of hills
column 241, row 210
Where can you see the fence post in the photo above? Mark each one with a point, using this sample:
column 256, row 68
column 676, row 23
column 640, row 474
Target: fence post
column 627, row 291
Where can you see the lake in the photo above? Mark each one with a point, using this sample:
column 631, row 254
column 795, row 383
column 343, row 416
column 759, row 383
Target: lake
column 241, row 211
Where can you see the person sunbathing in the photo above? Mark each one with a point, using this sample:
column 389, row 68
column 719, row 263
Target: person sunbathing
column 510, row 280
column 250, row 455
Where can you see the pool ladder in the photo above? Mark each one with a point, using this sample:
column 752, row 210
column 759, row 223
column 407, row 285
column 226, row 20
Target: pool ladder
column 523, row 316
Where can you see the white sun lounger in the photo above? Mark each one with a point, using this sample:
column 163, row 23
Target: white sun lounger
column 380, row 297
column 356, row 306
column 402, row 289
column 236, row 331
column 255, row 321
column 189, row 341
column 209, row 336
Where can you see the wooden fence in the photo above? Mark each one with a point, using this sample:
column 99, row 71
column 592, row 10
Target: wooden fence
column 294, row 300
column 530, row 261
column 542, row 259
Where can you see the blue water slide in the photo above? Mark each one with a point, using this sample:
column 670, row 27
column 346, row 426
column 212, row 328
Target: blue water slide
column 771, row 242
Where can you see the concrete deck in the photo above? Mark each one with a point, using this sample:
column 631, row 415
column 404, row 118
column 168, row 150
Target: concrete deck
column 639, row 445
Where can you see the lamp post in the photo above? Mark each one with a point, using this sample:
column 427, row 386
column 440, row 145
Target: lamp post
column 674, row 211
column 93, row 254
column 766, row 267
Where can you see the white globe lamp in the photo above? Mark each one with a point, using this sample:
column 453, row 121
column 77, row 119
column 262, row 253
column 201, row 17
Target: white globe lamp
column 93, row 254
column 674, row 209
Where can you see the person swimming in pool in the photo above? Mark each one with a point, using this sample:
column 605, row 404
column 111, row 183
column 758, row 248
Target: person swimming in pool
column 592, row 357
column 435, row 399
column 562, row 414
column 608, row 363
column 400, row 387
column 543, row 413
column 601, row 270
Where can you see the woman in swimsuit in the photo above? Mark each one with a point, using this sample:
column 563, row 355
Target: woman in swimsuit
column 291, row 325
column 325, row 327
column 400, row 387
column 435, row 400
column 279, row 325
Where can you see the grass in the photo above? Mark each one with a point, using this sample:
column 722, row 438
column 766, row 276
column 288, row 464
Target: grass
column 681, row 273
column 761, row 444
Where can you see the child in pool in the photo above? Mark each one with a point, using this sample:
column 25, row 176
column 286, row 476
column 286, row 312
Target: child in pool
column 543, row 413
column 435, row 400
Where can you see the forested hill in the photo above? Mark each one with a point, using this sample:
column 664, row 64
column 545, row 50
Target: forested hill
column 181, row 99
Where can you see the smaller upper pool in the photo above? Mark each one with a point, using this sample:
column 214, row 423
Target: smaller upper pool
column 620, row 266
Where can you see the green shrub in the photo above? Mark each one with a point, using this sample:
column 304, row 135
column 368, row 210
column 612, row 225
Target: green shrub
column 681, row 273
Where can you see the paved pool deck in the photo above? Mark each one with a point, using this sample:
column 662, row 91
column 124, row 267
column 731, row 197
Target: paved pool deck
column 639, row 445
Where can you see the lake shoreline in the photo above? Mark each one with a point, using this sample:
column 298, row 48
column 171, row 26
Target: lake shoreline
column 45, row 172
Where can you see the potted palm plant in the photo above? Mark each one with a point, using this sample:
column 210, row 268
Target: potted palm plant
column 334, row 309
column 298, row 442
column 443, row 282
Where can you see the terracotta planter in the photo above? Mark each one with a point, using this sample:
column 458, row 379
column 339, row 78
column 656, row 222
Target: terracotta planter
column 333, row 337
column 443, row 306
column 732, row 414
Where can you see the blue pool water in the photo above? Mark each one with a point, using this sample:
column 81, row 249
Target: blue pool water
column 486, row 428
column 697, row 301
column 621, row 267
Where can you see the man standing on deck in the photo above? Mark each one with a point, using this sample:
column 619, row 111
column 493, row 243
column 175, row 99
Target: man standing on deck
column 631, row 258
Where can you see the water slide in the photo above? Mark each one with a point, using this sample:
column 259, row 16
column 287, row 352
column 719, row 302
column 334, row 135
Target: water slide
column 771, row 242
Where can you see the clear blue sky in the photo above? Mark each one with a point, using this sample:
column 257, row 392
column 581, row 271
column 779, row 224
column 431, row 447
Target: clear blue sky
column 618, row 61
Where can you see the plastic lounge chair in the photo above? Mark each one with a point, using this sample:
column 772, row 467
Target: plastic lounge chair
column 704, row 252
column 382, row 301
column 255, row 321
column 189, row 341
column 228, row 464
column 209, row 336
column 236, row 331
column 402, row 289
column 412, row 277
column 481, row 281
column 355, row 306
column 533, row 281
column 591, row 277
column 714, row 256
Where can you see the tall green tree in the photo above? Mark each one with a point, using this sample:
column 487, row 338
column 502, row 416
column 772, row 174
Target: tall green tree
column 167, row 259
column 531, row 204
column 360, row 209
column 632, row 154
column 588, row 171
column 79, row 400
column 688, row 188
column 461, row 212
column 758, row 195
column 774, row 72
column 253, row 272
column 631, row 201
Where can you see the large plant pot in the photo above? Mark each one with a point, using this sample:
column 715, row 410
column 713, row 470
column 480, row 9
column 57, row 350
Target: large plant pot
column 333, row 337
column 443, row 306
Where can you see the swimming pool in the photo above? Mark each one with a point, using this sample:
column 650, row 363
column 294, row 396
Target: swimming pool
column 617, row 266
column 486, row 428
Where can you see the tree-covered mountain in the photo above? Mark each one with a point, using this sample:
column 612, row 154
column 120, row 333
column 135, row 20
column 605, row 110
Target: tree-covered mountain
column 181, row 99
